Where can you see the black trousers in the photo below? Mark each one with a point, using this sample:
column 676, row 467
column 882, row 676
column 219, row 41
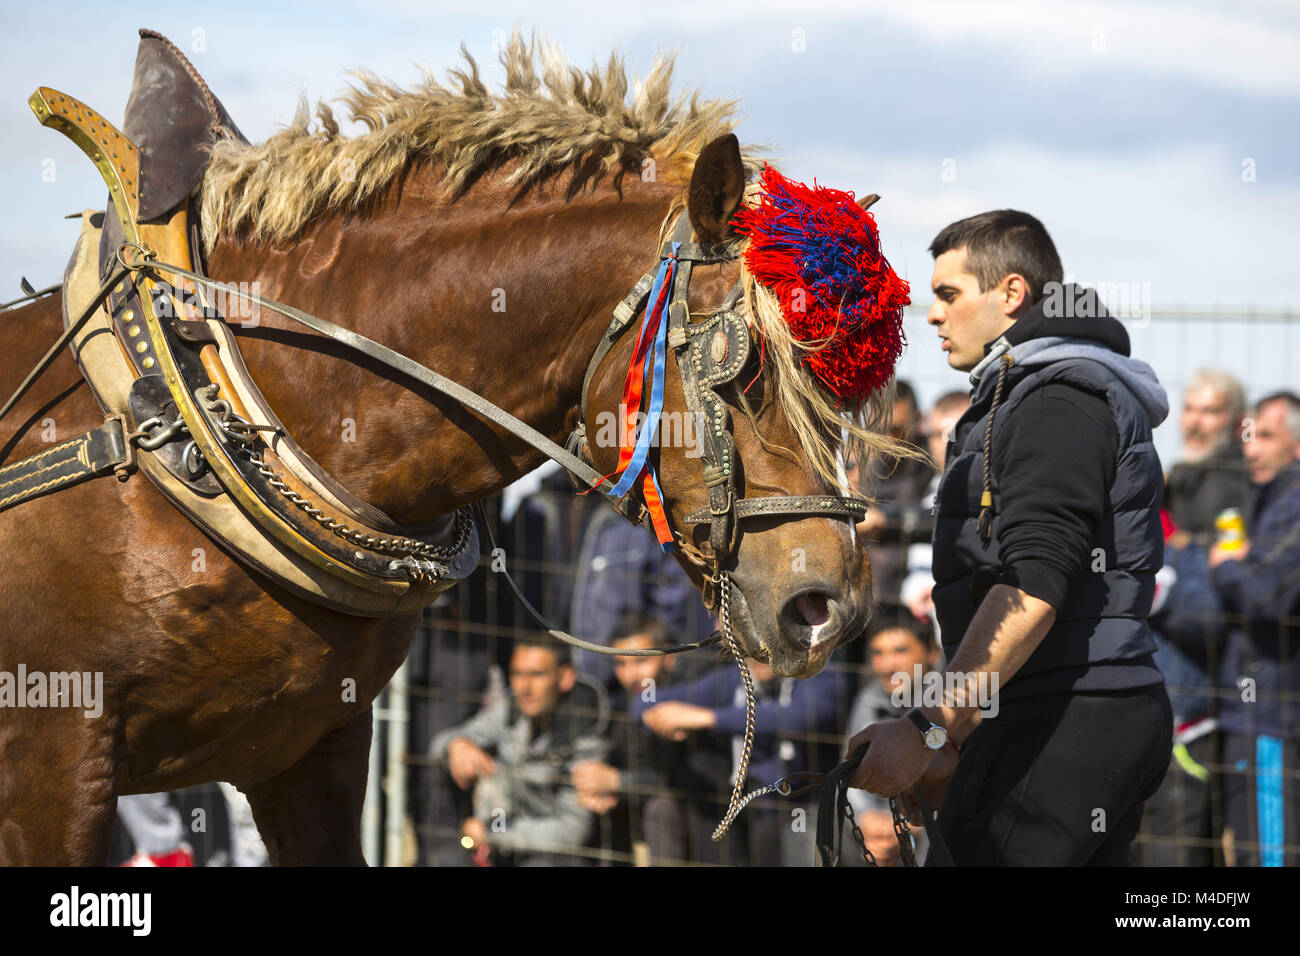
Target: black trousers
column 1058, row 779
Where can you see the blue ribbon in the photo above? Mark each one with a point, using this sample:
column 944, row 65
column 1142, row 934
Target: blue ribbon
column 650, row 425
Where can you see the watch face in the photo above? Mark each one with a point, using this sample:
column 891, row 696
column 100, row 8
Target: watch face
column 935, row 737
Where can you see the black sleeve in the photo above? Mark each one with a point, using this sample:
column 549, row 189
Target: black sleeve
column 1054, row 458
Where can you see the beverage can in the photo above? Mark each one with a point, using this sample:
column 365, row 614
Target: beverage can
column 1231, row 527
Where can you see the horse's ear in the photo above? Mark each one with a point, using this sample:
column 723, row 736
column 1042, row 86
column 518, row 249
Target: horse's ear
column 866, row 202
column 717, row 186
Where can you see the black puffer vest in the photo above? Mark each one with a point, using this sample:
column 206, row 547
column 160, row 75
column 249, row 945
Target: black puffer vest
column 1101, row 630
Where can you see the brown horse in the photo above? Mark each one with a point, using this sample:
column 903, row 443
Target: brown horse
column 488, row 236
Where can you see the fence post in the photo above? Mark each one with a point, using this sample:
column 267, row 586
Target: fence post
column 395, row 779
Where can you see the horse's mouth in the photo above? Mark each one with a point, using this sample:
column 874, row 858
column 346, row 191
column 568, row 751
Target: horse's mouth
column 786, row 649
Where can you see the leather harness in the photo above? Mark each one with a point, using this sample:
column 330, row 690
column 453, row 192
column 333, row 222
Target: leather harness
column 224, row 453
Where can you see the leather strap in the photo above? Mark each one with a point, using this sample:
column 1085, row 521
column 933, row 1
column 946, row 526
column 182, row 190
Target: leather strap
column 97, row 452
column 788, row 505
column 408, row 367
column 703, row 253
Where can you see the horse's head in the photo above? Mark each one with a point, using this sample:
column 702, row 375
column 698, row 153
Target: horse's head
column 750, row 451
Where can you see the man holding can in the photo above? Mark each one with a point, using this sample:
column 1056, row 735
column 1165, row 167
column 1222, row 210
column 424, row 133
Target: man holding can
column 1258, row 581
column 1046, row 544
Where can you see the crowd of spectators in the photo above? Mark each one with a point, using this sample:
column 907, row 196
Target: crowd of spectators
column 534, row 755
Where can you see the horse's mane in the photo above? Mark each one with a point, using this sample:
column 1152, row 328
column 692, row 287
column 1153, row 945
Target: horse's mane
column 550, row 116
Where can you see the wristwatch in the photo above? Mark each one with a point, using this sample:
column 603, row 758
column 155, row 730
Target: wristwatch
column 935, row 736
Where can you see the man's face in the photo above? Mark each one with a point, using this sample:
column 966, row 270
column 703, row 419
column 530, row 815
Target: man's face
column 1273, row 447
column 632, row 672
column 538, row 681
column 895, row 652
column 1206, row 423
column 966, row 318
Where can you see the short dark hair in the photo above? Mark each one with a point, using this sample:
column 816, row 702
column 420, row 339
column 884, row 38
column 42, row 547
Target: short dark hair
column 1000, row 243
column 1291, row 409
column 639, row 622
column 895, row 617
column 547, row 643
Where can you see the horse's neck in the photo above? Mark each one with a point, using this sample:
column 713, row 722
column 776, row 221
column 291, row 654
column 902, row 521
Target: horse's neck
column 509, row 302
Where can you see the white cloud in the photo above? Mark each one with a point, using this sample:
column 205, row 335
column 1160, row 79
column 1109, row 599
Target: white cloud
column 1181, row 219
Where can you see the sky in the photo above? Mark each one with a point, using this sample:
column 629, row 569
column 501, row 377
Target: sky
column 1158, row 142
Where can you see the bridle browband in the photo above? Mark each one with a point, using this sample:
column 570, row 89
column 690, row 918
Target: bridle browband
column 710, row 354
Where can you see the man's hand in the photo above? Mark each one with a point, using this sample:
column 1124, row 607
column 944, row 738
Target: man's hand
column 895, row 760
column 474, row 829
column 674, row 719
column 1219, row 554
column 468, row 763
column 593, row 778
column 598, row 803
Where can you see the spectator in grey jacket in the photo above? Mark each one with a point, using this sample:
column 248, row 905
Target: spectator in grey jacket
column 518, row 754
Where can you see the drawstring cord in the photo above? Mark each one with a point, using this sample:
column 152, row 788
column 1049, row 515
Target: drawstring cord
column 986, row 497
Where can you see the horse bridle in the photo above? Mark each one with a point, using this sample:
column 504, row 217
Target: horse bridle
column 710, row 354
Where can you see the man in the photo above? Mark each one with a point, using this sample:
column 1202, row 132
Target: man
column 1259, row 583
column 897, row 487
column 1212, row 476
column 1047, row 539
column 629, row 788
column 1180, row 820
column 939, row 423
column 793, row 718
column 525, row 808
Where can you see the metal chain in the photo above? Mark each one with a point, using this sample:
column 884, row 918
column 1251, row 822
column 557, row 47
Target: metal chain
column 232, row 423
column 867, row 856
column 737, row 802
column 903, row 834
column 398, row 545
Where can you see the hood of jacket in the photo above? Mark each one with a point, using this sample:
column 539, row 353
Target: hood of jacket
column 1071, row 322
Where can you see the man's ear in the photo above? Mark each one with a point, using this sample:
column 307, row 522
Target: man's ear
column 1013, row 295
column 717, row 186
column 568, row 677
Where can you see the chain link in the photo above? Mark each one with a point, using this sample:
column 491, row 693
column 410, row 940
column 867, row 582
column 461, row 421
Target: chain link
column 395, row 545
column 742, row 771
column 867, row 856
column 903, row 834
